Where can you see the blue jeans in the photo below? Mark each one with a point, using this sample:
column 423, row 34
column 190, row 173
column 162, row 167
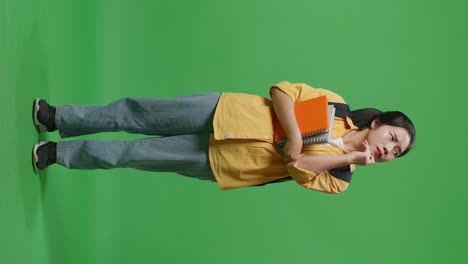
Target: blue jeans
column 184, row 125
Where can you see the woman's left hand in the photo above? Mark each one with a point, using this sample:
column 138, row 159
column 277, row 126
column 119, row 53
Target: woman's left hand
column 363, row 157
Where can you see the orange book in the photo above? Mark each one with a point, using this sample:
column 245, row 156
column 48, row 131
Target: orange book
column 314, row 119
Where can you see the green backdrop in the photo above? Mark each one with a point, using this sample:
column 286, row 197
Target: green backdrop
column 405, row 55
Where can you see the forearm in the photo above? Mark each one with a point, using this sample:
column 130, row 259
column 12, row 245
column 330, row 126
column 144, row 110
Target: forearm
column 320, row 163
column 284, row 110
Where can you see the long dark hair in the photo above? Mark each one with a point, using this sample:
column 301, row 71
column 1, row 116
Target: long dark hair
column 363, row 118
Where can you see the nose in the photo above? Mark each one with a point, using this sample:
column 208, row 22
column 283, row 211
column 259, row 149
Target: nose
column 388, row 147
column 385, row 149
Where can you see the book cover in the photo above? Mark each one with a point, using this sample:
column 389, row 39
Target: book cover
column 314, row 117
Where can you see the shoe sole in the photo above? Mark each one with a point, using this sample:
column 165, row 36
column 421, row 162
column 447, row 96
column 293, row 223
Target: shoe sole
column 38, row 124
column 34, row 154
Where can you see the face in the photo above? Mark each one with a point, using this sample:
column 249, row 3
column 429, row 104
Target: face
column 387, row 142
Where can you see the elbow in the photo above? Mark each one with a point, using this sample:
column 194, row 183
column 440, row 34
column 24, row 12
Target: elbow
column 338, row 187
column 338, row 190
column 323, row 182
column 275, row 91
column 300, row 173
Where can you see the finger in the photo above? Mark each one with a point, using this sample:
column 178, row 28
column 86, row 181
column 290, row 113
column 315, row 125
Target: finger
column 367, row 146
column 366, row 143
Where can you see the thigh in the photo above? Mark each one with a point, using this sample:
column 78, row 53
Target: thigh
column 184, row 115
column 183, row 154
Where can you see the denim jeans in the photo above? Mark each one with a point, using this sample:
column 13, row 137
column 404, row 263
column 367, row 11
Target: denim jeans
column 180, row 128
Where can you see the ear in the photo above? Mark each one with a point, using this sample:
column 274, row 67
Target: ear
column 375, row 123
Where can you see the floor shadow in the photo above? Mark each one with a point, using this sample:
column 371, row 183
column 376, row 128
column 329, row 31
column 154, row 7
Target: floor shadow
column 31, row 82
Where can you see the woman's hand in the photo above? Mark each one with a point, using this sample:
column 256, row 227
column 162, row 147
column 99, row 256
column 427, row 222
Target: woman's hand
column 363, row 157
column 292, row 151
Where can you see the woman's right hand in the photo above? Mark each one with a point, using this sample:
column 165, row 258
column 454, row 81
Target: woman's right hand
column 363, row 157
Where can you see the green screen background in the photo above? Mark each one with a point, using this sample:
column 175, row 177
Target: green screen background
column 404, row 55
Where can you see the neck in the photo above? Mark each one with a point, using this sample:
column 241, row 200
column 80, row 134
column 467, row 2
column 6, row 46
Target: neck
column 353, row 139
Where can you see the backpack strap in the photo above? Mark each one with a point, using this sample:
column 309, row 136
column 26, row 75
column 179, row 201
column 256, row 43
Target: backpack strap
column 343, row 173
column 341, row 110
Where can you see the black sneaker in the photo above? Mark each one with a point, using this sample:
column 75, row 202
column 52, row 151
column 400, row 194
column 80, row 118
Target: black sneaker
column 44, row 154
column 44, row 116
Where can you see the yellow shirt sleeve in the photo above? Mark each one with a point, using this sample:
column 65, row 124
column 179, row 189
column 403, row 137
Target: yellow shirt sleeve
column 322, row 182
column 292, row 90
column 301, row 91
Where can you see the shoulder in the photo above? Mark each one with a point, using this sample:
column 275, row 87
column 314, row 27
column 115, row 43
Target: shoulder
column 312, row 92
column 303, row 91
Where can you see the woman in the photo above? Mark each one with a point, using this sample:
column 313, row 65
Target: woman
column 227, row 138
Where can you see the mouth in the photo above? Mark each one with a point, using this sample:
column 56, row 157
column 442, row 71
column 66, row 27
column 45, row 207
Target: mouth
column 377, row 153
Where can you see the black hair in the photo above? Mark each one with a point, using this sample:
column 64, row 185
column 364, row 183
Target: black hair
column 363, row 119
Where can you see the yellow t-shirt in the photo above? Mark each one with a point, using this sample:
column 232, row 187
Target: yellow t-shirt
column 242, row 152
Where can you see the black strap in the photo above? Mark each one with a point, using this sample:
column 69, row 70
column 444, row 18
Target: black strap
column 341, row 110
column 343, row 173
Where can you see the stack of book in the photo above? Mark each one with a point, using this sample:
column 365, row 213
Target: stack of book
column 315, row 120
